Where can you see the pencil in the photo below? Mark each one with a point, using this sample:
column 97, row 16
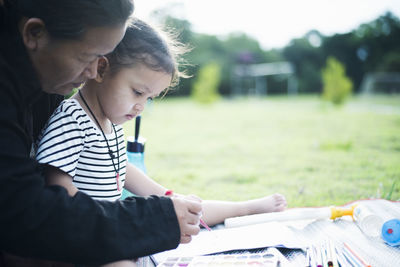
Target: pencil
column 307, row 264
column 313, row 261
column 318, row 257
column 333, row 254
column 328, row 253
column 341, row 258
column 324, row 256
column 350, row 258
column 205, row 225
column 363, row 262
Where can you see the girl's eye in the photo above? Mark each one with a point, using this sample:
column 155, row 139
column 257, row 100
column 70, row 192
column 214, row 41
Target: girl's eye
column 150, row 99
column 138, row 93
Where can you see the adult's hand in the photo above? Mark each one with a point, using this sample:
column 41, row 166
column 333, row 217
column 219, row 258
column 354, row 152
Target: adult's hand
column 188, row 211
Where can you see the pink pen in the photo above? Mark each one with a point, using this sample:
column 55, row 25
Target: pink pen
column 170, row 193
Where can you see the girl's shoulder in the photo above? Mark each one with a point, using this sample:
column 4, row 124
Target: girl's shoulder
column 71, row 112
column 68, row 104
column 71, row 107
column 70, row 118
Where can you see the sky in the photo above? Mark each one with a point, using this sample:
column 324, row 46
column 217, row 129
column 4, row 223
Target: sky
column 272, row 22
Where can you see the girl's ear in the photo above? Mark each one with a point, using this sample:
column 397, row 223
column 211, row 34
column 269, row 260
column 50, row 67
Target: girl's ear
column 34, row 33
column 102, row 68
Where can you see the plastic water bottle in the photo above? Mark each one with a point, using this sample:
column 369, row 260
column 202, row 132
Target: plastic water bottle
column 369, row 223
column 135, row 153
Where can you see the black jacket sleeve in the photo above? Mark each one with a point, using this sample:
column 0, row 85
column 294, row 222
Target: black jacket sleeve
column 44, row 222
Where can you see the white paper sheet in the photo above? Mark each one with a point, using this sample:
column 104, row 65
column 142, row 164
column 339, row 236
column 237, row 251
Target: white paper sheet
column 270, row 234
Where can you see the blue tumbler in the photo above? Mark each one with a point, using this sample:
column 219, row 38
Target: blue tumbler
column 391, row 232
column 135, row 153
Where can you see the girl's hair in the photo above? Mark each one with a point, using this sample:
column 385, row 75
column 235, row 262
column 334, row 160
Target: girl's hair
column 152, row 47
column 70, row 19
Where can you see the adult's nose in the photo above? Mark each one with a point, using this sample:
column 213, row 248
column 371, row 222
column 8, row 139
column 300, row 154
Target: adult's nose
column 91, row 70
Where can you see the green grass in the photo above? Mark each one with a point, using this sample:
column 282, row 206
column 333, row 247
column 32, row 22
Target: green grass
column 313, row 153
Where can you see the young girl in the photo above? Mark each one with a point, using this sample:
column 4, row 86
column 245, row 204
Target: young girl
column 83, row 143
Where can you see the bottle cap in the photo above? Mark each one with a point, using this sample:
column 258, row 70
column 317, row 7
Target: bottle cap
column 391, row 232
column 135, row 145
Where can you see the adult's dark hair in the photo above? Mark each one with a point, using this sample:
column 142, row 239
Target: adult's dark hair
column 69, row 19
column 156, row 49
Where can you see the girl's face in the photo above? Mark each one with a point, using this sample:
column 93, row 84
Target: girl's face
column 123, row 95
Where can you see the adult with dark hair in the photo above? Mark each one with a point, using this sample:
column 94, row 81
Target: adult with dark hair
column 47, row 48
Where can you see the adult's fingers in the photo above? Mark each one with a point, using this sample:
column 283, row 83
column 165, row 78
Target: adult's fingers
column 193, row 218
column 186, row 239
column 188, row 215
column 194, row 207
column 190, row 229
column 188, row 232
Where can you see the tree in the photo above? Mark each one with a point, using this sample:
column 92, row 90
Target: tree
column 308, row 61
column 205, row 88
column 336, row 85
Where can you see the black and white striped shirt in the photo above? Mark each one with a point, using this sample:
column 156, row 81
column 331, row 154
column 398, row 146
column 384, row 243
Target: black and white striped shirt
column 72, row 142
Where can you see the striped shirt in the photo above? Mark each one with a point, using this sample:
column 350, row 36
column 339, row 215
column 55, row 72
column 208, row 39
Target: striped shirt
column 72, row 142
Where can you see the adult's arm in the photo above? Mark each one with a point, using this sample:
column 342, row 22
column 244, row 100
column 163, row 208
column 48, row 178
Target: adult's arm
column 45, row 222
column 55, row 176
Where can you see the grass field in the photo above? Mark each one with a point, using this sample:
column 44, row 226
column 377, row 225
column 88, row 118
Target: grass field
column 313, row 153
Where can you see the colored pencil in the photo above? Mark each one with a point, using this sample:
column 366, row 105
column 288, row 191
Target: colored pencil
column 318, row 258
column 350, row 258
column 313, row 262
column 324, row 256
column 333, row 254
column 307, row 260
column 363, row 262
column 329, row 260
column 341, row 258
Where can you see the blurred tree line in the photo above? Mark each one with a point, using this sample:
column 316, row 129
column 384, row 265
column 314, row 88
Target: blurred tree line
column 372, row 47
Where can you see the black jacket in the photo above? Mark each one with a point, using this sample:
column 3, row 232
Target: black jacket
column 44, row 222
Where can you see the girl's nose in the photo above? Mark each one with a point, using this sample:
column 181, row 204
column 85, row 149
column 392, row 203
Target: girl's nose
column 138, row 107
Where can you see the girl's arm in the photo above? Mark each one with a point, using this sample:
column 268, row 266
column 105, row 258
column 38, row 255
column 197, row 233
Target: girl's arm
column 215, row 211
column 55, row 176
column 140, row 184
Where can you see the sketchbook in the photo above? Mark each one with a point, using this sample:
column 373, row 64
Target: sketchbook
column 263, row 235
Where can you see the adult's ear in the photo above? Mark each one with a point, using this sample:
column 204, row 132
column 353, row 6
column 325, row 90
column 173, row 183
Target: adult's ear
column 102, row 68
column 34, row 33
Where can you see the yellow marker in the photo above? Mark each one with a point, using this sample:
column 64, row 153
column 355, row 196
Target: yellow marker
column 337, row 212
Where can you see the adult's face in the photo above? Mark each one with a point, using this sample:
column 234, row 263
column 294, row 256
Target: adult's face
column 62, row 64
